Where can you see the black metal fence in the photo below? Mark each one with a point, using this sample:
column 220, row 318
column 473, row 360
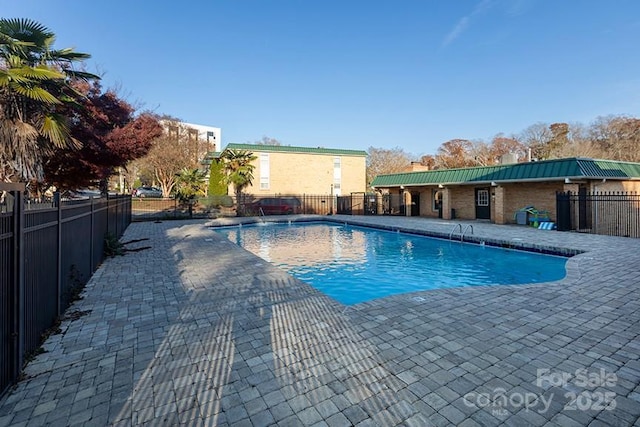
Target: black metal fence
column 146, row 209
column 613, row 214
column 280, row 204
column 48, row 251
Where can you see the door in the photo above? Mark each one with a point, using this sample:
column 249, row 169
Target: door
column 483, row 205
column 415, row 204
column 584, row 208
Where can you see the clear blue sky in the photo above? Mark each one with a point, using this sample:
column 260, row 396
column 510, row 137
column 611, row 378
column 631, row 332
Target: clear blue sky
column 355, row 74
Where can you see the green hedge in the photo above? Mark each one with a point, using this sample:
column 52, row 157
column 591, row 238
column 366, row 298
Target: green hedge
column 216, row 176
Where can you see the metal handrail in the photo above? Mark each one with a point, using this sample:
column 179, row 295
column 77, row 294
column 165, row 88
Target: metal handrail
column 465, row 230
column 454, row 229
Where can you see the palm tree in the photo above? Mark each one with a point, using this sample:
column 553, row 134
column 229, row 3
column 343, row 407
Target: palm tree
column 239, row 170
column 35, row 80
column 191, row 183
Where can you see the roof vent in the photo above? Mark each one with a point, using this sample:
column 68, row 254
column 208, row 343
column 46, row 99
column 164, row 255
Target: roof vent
column 509, row 158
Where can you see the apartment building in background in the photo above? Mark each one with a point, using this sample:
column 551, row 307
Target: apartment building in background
column 283, row 169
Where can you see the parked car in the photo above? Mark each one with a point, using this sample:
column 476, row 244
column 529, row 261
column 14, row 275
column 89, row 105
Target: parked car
column 278, row 205
column 148, row 192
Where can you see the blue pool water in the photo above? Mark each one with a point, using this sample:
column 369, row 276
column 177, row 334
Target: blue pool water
column 354, row 264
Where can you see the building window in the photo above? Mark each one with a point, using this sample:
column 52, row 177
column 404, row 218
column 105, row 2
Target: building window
column 337, row 176
column 483, row 198
column 211, row 137
column 264, row 171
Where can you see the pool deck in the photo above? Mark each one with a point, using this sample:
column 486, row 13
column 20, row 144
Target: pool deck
column 197, row 331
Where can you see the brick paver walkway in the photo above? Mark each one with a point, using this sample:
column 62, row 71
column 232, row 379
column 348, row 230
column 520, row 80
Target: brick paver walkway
column 197, row 331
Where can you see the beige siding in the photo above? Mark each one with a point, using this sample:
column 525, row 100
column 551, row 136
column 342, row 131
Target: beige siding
column 303, row 173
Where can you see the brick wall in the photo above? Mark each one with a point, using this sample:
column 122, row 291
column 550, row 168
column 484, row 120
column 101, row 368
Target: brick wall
column 302, row 173
column 599, row 186
column 426, row 201
column 463, row 201
column 542, row 196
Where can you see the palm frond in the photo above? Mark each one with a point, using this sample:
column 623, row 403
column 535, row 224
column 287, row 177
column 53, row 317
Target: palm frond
column 26, row 30
column 40, row 72
column 5, row 77
column 68, row 54
column 35, row 93
column 82, row 75
column 54, row 129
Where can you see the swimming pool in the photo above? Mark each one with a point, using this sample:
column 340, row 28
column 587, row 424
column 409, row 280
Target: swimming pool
column 355, row 264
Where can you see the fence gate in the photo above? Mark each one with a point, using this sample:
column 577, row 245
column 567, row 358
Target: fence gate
column 610, row 213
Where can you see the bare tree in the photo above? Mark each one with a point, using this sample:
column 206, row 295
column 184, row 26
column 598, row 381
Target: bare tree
column 501, row 145
column 617, row 136
column 579, row 144
column 456, row 153
column 428, row 160
column 382, row 161
column 268, row 141
column 170, row 154
column 535, row 137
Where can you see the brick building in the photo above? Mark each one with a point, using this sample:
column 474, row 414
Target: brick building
column 302, row 170
column 496, row 193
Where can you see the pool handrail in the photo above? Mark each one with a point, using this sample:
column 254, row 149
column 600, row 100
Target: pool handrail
column 454, row 229
column 465, row 230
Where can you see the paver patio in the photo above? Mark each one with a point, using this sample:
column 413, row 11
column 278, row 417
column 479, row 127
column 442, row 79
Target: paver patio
column 197, row 331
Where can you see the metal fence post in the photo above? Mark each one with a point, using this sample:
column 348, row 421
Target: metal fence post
column 58, row 201
column 92, row 236
column 18, row 295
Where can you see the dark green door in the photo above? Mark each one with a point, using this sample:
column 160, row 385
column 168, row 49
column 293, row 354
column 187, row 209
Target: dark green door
column 483, row 203
column 415, row 204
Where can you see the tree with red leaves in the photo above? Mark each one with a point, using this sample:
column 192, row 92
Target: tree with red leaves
column 111, row 136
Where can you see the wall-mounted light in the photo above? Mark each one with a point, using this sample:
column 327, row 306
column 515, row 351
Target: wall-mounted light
column 402, row 187
column 494, row 184
column 440, row 186
column 567, row 181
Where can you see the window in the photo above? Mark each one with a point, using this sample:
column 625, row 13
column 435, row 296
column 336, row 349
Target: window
column 483, row 198
column 211, row 136
column 337, row 175
column 264, row 171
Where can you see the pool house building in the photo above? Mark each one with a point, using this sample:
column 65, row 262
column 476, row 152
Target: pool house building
column 497, row 193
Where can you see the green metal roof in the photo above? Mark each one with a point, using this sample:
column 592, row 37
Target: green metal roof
column 572, row 168
column 210, row 156
column 289, row 149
